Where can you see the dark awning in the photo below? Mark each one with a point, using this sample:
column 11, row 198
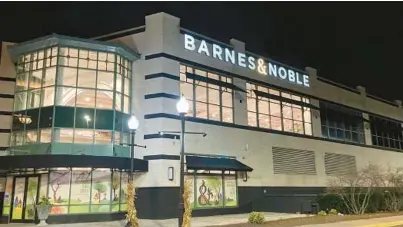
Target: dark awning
column 213, row 163
column 82, row 161
column 213, row 81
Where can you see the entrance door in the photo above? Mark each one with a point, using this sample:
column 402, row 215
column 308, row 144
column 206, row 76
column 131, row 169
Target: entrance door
column 25, row 195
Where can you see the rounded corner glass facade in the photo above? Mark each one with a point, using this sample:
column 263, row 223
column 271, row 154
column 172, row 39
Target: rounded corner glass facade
column 77, row 100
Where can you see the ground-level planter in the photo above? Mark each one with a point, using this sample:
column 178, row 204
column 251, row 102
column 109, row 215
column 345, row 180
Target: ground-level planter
column 43, row 212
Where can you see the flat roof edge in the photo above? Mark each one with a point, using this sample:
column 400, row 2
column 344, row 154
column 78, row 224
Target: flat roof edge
column 56, row 39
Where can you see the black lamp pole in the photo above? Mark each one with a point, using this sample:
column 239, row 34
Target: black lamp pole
column 132, row 133
column 182, row 171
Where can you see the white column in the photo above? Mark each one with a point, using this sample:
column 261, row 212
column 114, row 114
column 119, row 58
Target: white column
column 240, row 107
column 315, row 113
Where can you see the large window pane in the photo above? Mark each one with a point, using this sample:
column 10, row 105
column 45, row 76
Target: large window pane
column 66, row 96
column 101, row 191
column 201, row 110
column 59, row 190
column 344, row 124
column 84, row 118
column 31, row 137
column 50, row 77
column 34, row 98
column 288, row 125
column 85, row 98
column 214, row 96
column 118, row 102
column 264, row 121
column 20, row 101
column 103, row 137
column 227, row 115
column 64, row 135
column 126, row 104
column 275, row 109
column 275, row 123
column 35, row 79
column 263, row 106
column 214, row 112
column 64, row 117
column 46, row 117
column 45, row 136
column 84, row 136
column 104, row 120
column 80, row 190
column 127, row 87
column 87, row 78
column 67, row 76
column 251, row 104
column 201, row 94
column 21, row 82
column 187, row 90
column 119, row 82
column 48, row 96
column 105, row 80
column 104, row 99
column 227, row 99
column 287, row 111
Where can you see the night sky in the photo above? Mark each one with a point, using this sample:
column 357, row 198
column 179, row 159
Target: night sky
column 353, row 43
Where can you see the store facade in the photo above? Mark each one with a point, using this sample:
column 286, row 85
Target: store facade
column 261, row 135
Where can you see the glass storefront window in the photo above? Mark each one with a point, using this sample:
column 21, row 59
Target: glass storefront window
column 71, row 95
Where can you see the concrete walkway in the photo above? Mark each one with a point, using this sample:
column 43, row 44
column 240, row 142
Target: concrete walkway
column 196, row 221
column 395, row 221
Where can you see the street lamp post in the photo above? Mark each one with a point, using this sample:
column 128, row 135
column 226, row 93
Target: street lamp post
column 133, row 124
column 183, row 107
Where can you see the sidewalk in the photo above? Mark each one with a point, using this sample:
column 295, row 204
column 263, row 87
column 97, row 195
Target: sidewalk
column 376, row 222
column 196, row 221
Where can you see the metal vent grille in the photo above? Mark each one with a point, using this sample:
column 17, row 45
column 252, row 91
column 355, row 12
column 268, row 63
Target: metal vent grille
column 339, row 164
column 293, row 161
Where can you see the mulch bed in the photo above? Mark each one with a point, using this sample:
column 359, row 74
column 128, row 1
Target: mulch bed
column 314, row 220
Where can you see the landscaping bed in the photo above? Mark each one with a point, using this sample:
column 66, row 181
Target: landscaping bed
column 314, row 220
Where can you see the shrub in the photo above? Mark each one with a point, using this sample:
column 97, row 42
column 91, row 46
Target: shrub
column 256, row 218
column 331, row 201
column 322, row 213
column 333, row 212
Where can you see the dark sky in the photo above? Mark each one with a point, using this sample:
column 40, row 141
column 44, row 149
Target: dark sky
column 354, row 43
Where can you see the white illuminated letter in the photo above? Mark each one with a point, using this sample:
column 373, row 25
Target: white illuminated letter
column 282, row 73
column 190, row 42
column 203, row 48
column 291, row 76
column 251, row 61
column 230, row 56
column 217, row 51
column 242, row 60
column 298, row 79
column 272, row 69
column 306, row 80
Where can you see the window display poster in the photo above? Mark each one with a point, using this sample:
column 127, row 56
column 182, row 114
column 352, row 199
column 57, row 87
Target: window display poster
column 7, row 196
column 189, row 178
column 18, row 203
column 59, row 191
column 43, row 188
column 115, row 191
column 101, row 191
column 209, row 191
column 230, row 191
column 80, row 191
column 123, row 191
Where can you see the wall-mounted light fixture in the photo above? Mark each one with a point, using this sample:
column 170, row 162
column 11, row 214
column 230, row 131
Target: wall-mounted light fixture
column 245, row 176
column 171, row 173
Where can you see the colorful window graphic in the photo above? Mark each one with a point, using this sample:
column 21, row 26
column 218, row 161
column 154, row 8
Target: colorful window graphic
column 213, row 191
